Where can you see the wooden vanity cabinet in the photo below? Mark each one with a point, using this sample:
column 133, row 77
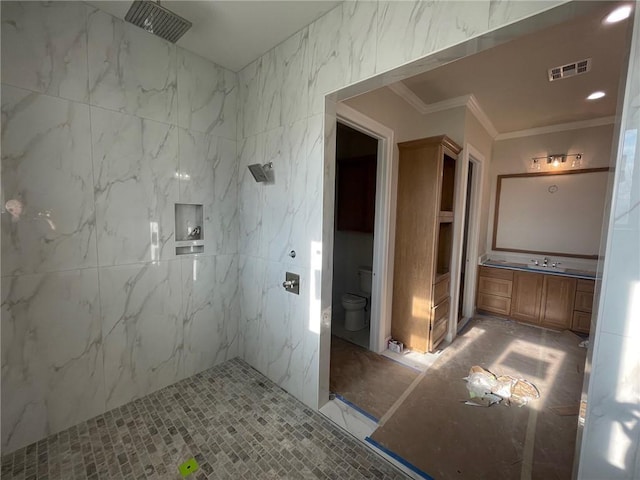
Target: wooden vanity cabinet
column 424, row 235
column 548, row 300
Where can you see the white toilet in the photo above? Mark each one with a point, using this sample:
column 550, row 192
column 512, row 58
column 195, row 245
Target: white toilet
column 356, row 303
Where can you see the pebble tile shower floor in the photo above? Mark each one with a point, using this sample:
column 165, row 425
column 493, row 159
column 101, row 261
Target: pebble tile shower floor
column 235, row 422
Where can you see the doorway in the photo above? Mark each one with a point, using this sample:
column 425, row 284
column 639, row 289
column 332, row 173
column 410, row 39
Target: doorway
column 381, row 265
column 465, row 245
column 469, row 203
column 353, row 238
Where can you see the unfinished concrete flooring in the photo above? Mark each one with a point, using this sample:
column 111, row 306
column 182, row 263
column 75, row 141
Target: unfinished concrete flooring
column 436, row 432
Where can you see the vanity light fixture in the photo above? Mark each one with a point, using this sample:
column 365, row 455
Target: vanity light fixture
column 556, row 159
column 619, row 14
column 596, row 95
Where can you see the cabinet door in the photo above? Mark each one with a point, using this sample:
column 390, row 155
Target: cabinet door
column 584, row 301
column 558, row 294
column 581, row 322
column 526, row 296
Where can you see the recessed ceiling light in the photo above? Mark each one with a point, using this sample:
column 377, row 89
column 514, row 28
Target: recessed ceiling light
column 619, row 14
column 596, row 95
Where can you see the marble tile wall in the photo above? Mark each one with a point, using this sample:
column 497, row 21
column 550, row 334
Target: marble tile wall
column 104, row 128
column 351, row 43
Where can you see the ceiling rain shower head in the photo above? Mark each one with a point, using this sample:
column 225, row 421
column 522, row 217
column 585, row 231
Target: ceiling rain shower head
column 156, row 19
column 262, row 173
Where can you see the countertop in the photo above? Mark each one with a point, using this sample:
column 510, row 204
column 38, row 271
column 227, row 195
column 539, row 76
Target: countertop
column 585, row 274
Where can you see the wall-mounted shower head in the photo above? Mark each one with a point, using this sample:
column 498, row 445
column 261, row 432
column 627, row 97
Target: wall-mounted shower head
column 262, row 173
column 156, row 19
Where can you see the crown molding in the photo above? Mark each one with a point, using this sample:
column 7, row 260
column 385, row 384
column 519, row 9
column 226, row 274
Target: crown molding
column 560, row 127
column 469, row 101
column 477, row 111
column 400, row 89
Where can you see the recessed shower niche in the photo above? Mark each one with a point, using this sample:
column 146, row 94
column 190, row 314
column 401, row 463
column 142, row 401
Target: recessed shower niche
column 189, row 232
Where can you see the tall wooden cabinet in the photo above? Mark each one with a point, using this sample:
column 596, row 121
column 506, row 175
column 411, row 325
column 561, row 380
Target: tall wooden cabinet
column 424, row 236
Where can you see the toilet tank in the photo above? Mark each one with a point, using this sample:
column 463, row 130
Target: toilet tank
column 365, row 279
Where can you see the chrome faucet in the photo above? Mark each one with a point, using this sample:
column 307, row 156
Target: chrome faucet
column 545, row 262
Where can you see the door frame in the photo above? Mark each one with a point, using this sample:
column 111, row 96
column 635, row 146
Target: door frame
column 470, row 154
column 384, row 223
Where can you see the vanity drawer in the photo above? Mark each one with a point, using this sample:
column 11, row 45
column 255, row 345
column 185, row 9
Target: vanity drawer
column 495, row 273
column 585, row 285
column 494, row 304
column 495, row 286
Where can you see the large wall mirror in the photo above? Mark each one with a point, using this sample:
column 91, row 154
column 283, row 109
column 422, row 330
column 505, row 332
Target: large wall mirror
column 551, row 213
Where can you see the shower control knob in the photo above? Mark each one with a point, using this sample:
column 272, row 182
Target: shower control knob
column 292, row 254
column 289, row 284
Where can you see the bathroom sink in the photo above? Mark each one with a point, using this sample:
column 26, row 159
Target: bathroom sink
column 548, row 268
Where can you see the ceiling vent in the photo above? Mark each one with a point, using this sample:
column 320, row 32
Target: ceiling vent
column 569, row 70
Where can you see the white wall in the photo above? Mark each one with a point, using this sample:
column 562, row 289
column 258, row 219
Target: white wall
column 104, row 128
column 514, row 156
column 392, row 111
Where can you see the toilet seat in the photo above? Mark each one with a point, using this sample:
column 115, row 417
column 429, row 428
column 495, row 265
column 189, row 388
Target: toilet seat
column 353, row 299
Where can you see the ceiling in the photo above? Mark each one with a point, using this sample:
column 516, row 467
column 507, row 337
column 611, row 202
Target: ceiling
column 234, row 33
column 510, row 81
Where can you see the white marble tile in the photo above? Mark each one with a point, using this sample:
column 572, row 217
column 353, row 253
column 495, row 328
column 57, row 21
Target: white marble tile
column 270, row 92
column 276, row 319
column 46, row 166
column 44, row 47
column 284, row 212
column 349, row 419
column 284, row 318
column 503, row 12
column 412, row 29
column 342, row 49
column 250, row 197
column 142, row 329
column 328, row 67
column 284, row 83
column 249, row 101
column 207, row 96
column 129, row 70
column 52, row 373
column 294, row 55
column 136, row 187
column 208, row 176
column 310, row 368
column 315, row 177
column 210, row 297
column 251, row 281
column 611, row 434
